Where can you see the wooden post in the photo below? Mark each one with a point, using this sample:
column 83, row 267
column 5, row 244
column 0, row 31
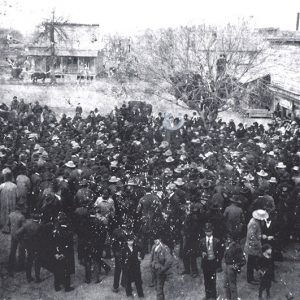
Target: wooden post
column 297, row 22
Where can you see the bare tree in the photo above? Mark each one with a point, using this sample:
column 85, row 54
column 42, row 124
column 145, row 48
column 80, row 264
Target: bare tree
column 199, row 66
column 52, row 31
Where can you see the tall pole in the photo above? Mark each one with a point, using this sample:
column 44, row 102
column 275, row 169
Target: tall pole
column 52, row 48
column 297, row 23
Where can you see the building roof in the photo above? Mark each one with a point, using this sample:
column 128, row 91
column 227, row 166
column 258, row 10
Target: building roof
column 45, row 51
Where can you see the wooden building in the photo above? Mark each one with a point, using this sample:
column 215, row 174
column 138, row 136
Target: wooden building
column 77, row 52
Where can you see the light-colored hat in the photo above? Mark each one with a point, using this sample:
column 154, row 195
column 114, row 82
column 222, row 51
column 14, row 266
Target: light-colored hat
column 271, row 153
column 262, row 173
column 296, row 168
column 168, row 171
column 249, row 177
column 179, row 169
column 6, row 171
column 260, row 214
column 36, row 147
column 273, row 180
column 196, row 141
column 99, row 142
column 179, row 181
column 169, row 159
column 110, row 146
column 70, row 164
column 281, row 165
column 182, row 157
column 168, row 153
column 208, row 154
column 75, row 145
column 132, row 181
column 114, row 163
column 114, row 179
column 164, row 144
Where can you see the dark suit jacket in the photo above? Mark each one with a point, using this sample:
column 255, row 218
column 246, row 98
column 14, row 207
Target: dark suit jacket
column 216, row 249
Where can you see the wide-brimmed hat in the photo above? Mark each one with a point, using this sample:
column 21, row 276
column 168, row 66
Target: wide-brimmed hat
column 168, row 153
column 281, row 165
column 164, row 144
column 295, row 168
column 132, row 181
column 273, row 180
column 169, row 159
column 271, row 153
column 262, row 173
column 249, row 177
column 260, row 214
column 168, row 171
column 179, row 181
column 114, row 163
column 179, row 169
column 110, row 146
column 70, row 164
column 114, row 179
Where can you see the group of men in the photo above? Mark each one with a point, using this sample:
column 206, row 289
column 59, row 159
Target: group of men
column 128, row 184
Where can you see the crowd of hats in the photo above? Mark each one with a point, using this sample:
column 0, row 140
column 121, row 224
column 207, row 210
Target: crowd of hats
column 132, row 147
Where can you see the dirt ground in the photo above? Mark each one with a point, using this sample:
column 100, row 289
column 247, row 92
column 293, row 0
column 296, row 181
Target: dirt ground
column 179, row 287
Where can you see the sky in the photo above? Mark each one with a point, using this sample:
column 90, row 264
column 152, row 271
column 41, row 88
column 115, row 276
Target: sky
column 133, row 16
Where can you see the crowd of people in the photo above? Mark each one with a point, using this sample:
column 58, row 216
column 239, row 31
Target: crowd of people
column 132, row 183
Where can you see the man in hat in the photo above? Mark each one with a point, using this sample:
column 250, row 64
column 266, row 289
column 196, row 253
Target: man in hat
column 210, row 251
column 160, row 263
column 191, row 236
column 234, row 216
column 234, row 260
column 253, row 242
column 131, row 257
column 63, row 252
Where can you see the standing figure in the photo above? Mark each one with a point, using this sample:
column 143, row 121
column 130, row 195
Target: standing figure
column 131, row 256
column 265, row 268
column 63, row 252
column 161, row 263
column 210, row 248
column 234, row 260
column 253, row 242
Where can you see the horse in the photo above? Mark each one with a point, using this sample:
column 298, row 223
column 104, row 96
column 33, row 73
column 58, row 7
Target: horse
column 38, row 75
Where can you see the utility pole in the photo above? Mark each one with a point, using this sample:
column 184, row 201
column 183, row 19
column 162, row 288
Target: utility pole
column 52, row 47
column 297, row 22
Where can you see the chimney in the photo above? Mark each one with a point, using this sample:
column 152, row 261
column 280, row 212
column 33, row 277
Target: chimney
column 297, row 23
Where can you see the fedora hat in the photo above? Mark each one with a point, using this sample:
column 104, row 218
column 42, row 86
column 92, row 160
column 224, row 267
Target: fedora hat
column 110, row 146
column 70, row 164
column 179, row 181
column 260, row 214
column 114, row 179
column 281, row 165
column 262, row 173
column 169, row 159
column 273, row 180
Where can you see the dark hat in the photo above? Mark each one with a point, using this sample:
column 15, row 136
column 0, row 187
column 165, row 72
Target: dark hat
column 208, row 227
